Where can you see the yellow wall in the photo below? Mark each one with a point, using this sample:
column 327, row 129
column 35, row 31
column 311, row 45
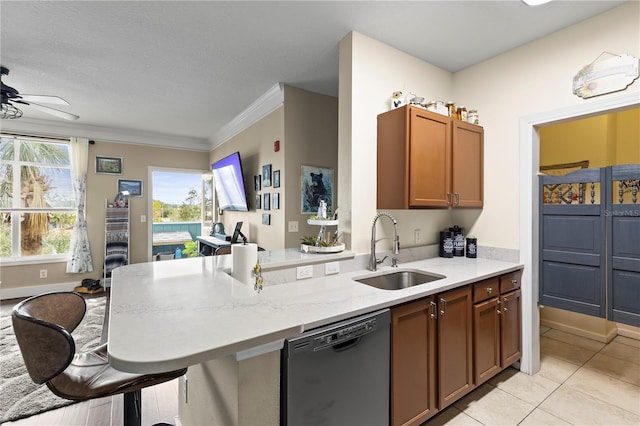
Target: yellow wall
column 603, row 140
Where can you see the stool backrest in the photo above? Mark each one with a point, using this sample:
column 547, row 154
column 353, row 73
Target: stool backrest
column 43, row 326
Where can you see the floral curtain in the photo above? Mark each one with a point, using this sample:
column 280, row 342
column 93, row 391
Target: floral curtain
column 79, row 253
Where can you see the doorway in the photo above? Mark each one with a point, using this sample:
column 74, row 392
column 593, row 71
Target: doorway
column 529, row 164
column 180, row 209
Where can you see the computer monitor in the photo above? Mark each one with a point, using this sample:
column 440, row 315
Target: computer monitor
column 237, row 233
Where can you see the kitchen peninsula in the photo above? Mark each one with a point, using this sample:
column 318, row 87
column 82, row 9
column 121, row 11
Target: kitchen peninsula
column 192, row 313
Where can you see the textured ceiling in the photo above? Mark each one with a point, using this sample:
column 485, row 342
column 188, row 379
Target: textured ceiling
column 188, row 68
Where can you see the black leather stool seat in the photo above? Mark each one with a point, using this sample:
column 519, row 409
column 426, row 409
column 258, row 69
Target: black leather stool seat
column 43, row 326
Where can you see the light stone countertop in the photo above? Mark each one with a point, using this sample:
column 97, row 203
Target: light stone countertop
column 173, row 314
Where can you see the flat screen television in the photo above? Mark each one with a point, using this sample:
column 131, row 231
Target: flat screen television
column 230, row 189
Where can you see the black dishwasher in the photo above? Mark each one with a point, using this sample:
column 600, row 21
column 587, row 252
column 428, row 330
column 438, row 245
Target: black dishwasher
column 338, row 374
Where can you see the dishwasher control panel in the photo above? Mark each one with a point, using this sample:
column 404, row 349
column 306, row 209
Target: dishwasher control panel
column 341, row 335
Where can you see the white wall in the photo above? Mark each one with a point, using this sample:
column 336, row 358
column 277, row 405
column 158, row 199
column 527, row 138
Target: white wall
column 532, row 79
column 370, row 72
column 535, row 78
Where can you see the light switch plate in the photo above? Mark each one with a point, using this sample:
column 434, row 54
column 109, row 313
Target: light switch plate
column 293, row 226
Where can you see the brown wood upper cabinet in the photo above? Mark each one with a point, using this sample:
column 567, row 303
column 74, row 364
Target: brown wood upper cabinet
column 428, row 160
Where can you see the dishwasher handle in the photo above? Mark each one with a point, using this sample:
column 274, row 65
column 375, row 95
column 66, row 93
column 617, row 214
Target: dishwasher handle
column 344, row 346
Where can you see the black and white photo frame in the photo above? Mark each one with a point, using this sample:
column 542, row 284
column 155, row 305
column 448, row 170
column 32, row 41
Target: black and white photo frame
column 266, row 175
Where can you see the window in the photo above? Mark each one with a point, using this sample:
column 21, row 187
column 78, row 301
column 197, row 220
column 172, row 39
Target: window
column 37, row 205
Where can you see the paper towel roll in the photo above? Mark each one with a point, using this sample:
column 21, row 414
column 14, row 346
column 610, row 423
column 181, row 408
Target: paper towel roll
column 244, row 258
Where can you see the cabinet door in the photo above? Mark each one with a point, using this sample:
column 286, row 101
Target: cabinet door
column 455, row 351
column 429, row 159
column 413, row 362
column 486, row 340
column 510, row 325
column 467, row 170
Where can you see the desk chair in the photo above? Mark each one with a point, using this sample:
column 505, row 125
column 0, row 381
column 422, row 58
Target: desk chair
column 223, row 250
column 227, row 250
column 43, row 326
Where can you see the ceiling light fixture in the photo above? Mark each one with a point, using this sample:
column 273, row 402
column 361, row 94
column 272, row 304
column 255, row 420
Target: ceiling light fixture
column 535, row 2
column 10, row 112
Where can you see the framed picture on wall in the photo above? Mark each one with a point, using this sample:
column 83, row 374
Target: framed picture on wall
column 266, row 203
column 266, row 219
column 316, row 183
column 134, row 186
column 276, row 201
column 257, row 182
column 276, row 179
column 266, row 175
column 258, row 201
column 108, row 165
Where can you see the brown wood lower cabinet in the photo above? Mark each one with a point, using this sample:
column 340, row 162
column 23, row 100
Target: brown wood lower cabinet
column 455, row 351
column 496, row 326
column 413, row 360
column 431, row 355
column 445, row 345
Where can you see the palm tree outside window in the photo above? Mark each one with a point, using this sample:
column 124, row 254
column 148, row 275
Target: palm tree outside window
column 38, row 207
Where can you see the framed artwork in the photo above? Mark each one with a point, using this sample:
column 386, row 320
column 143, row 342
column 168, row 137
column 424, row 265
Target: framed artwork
column 276, row 201
column 266, row 175
column 258, row 201
column 257, row 182
column 134, row 186
column 266, row 204
column 316, row 183
column 108, row 165
column 276, row 179
column 266, row 219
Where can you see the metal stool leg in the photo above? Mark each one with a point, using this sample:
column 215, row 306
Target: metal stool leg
column 132, row 408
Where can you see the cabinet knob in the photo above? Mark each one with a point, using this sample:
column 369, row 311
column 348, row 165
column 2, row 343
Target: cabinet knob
column 489, row 290
column 514, row 282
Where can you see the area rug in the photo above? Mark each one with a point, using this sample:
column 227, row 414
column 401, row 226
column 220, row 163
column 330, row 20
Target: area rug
column 19, row 396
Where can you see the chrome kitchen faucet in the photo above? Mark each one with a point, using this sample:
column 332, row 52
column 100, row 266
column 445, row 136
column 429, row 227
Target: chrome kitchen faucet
column 373, row 262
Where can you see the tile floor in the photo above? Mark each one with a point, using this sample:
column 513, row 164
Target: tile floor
column 580, row 382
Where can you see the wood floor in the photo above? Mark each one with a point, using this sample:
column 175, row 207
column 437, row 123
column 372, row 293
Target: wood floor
column 159, row 403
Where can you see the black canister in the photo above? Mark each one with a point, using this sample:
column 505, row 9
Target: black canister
column 472, row 246
column 446, row 244
column 458, row 241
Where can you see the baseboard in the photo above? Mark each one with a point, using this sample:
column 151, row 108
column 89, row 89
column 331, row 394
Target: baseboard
column 19, row 292
column 628, row 331
column 600, row 337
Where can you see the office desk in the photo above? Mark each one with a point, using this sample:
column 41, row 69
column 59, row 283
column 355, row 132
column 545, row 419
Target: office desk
column 207, row 245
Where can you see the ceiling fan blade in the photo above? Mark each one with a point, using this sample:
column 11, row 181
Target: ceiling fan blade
column 45, row 99
column 52, row 111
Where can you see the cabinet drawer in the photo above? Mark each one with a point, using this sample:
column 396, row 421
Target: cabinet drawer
column 485, row 289
column 510, row 281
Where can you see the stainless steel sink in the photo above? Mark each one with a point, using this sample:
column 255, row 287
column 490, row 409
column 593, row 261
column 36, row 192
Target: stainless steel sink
column 396, row 280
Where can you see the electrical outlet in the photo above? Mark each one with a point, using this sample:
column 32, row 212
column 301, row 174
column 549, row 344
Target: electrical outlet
column 331, row 268
column 43, row 273
column 416, row 236
column 304, row 272
column 143, row 218
column 293, row 226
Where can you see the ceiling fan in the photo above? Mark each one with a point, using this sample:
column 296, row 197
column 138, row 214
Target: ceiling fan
column 11, row 96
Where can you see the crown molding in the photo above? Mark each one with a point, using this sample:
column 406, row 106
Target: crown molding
column 129, row 136
column 261, row 107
